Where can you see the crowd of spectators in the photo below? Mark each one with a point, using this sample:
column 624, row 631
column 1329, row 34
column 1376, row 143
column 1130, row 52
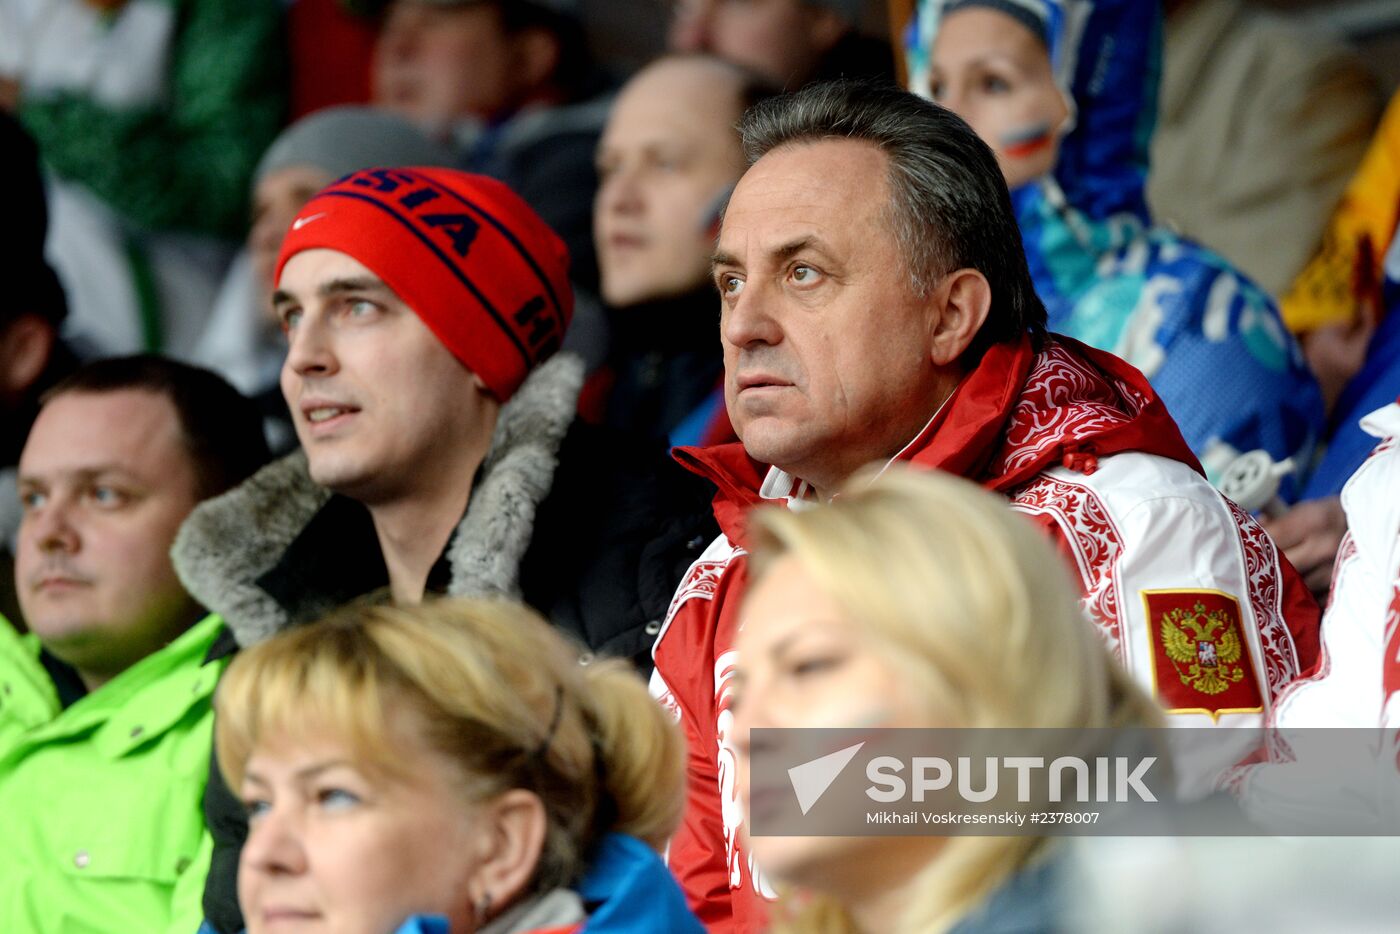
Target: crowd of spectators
column 433, row 458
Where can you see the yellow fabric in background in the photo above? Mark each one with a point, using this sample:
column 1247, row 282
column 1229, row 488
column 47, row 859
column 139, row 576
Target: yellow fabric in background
column 1325, row 291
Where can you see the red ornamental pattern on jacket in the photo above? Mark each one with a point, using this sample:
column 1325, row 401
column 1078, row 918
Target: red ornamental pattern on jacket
column 1390, row 671
column 1064, row 401
column 706, row 855
column 1281, row 663
column 1094, row 543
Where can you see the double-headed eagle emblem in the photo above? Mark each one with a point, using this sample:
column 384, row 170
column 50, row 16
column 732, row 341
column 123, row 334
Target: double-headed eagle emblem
column 1204, row 648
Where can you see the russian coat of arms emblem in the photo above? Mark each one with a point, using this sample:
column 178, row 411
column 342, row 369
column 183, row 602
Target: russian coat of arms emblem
column 1204, row 646
column 1201, row 659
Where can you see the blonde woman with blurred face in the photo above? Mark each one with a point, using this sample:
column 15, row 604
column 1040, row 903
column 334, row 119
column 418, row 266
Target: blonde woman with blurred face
column 447, row 767
column 915, row 601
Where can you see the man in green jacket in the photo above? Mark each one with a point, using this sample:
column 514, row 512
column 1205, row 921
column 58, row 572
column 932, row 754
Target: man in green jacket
column 105, row 704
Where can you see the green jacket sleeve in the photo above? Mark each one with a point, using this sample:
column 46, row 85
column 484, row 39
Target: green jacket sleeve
column 187, row 165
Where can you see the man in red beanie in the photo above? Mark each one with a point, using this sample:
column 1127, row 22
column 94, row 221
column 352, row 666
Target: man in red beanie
column 440, row 453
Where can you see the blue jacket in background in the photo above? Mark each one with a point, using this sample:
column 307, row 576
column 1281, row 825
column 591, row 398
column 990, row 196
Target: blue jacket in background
column 1375, row 386
column 629, row 890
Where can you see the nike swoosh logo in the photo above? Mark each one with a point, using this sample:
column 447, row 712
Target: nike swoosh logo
column 301, row 222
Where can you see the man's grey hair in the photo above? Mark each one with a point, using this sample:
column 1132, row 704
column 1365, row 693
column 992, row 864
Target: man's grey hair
column 948, row 203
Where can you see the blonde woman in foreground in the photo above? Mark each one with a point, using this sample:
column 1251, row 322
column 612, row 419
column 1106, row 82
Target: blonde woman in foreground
column 448, row 768
column 917, row 600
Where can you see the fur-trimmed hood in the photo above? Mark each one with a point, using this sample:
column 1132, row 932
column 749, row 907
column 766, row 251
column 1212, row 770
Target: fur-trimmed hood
column 229, row 542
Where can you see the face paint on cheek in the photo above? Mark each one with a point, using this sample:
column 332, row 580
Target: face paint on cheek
column 1027, row 140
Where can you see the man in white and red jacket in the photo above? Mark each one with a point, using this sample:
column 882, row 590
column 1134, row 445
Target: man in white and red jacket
column 1357, row 683
column 877, row 307
column 1346, row 780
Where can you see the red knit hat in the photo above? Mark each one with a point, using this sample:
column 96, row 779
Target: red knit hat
column 482, row 270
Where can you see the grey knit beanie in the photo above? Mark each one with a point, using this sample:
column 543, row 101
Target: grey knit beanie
column 346, row 139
